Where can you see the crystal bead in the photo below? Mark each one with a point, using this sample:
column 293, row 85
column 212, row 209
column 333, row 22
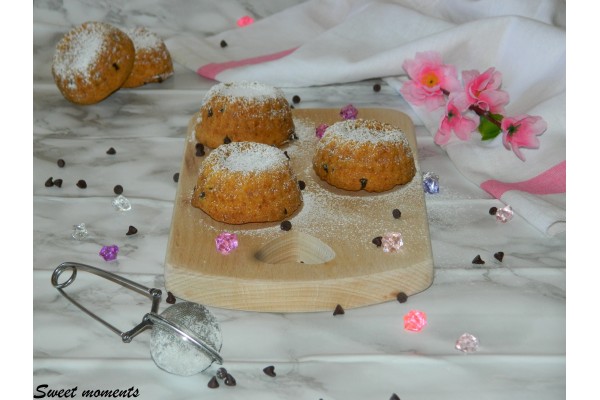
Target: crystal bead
column 504, row 214
column 467, row 343
column 415, row 321
column 121, row 203
column 245, row 21
column 109, row 253
column 348, row 112
column 80, row 232
column 391, row 242
column 431, row 183
column 226, row 242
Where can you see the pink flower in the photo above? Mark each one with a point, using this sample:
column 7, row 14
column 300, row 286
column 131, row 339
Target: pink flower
column 429, row 79
column 454, row 121
column 522, row 131
column 482, row 90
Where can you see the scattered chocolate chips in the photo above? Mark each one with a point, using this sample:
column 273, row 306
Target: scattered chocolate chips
column 401, row 297
column 81, row 184
column 499, row 256
column 270, row 370
column 226, row 140
column 60, row 162
column 286, row 225
column 221, row 373
column 49, row 182
column 200, row 149
column 377, row 241
column 58, row 182
column 170, row 298
column 363, row 183
column 493, row 210
column 111, row 151
column 229, row 380
column 176, row 177
column 118, row 189
column 394, row 397
column 296, row 99
column 376, row 87
column 338, row 310
column 213, row 383
column 223, row 43
column 132, row 230
column 478, row 260
column 301, row 185
column 396, row 213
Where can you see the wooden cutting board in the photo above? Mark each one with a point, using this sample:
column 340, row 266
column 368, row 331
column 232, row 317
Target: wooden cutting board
column 326, row 259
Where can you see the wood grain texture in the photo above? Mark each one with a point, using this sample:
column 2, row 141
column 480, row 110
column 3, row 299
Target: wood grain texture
column 327, row 258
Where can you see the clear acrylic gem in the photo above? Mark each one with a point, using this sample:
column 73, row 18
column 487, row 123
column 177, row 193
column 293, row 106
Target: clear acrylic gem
column 121, row 203
column 431, row 183
column 504, row 214
column 467, row 343
column 80, row 232
column 391, row 242
column 226, row 242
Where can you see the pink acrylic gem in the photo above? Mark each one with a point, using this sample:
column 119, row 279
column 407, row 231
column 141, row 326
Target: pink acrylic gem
column 391, row 242
column 504, row 214
column 415, row 321
column 245, row 20
column 109, row 253
column 321, row 130
column 226, row 242
column 467, row 343
column 348, row 112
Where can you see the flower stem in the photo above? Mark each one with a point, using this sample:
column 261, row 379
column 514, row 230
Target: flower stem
column 485, row 114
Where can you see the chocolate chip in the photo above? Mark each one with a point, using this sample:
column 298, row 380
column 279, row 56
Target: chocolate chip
column 116, row 66
column 376, row 87
column 499, row 256
column 363, row 183
column 286, row 225
column 292, row 106
column 338, row 310
column 209, row 112
column 478, row 260
column 301, row 185
column 58, row 182
column 401, row 297
column 325, row 167
column 270, row 370
column 230, row 380
column 200, row 150
column 223, row 43
column 170, row 298
column 176, row 176
column 111, row 151
column 286, row 154
column 222, row 109
column 118, row 189
column 221, row 373
column 132, row 230
column 394, row 397
column 377, row 241
column 296, row 99
column 60, row 163
column 49, row 182
column 201, row 195
column 396, row 213
column 213, row 383
column 493, row 210
column 285, row 211
column 226, row 140
column 81, row 184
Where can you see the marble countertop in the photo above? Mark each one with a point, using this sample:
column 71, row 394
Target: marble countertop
column 515, row 307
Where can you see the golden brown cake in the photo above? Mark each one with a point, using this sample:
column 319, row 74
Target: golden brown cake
column 244, row 112
column 152, row 59
column 364, row 155
column 243, row 182
column 92, row 61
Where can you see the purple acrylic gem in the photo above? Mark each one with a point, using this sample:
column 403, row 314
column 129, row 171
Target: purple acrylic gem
column 348, row 112
column 109, row 253
column 321, row 130
column 226, row 242
column 431, row 183
column 504, row 214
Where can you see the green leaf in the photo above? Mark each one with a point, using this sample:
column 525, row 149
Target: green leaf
column 487, row 128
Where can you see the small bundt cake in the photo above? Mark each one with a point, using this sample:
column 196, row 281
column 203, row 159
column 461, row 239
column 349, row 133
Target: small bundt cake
column 152, row 59
column 243, row 182
column 364, row 155
column 244, row 112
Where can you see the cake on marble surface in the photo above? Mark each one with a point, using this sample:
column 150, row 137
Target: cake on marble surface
column 242, row 182
column 365, row 155
column 152, row 61
column 244, row 112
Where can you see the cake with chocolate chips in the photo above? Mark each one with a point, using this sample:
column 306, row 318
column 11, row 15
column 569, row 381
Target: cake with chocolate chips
column 359, row 154
column 152, row 63
column 243, row 112
column 242, row 182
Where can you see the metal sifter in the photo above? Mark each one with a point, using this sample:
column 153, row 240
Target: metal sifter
column 186, row 337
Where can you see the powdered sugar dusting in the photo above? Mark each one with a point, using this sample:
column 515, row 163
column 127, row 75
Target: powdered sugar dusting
column 142, row 38
column 362, row 131
column 247, row 157
column 245, row 90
